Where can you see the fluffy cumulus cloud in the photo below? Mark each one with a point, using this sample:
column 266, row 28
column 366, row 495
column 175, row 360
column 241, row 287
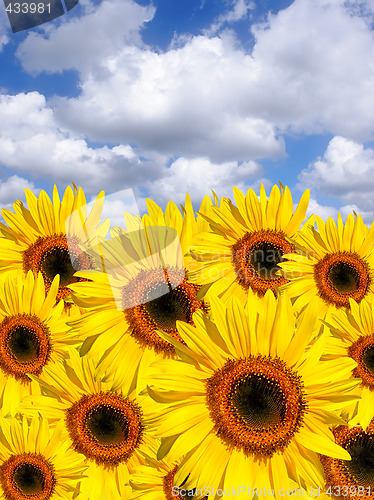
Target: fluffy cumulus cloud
column 81, row 42
column 206, row 101
column 314, row 61
column 199, row 176
column 188, row 101
column 13, row 189
column 310, row 71
column 345, row 171
column 31, row 141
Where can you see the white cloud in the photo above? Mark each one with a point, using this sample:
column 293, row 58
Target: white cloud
column 77, row 43
column 31, row 141
column 13, row 189
column 199, row 176
column 368, row 216
column 310, row 71
column 315, row 63
column 206, row 100
column 324, row 211
column 238, row 10
column 345, row 171
column 4, row 28
column 189, row 101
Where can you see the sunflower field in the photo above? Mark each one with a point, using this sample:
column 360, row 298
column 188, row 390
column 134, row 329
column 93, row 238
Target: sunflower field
column 221, row 353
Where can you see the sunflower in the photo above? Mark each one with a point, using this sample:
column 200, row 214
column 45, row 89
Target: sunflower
column 143, row 290
column 47, row 237
column 33, row 335
column 36, row 463
column 351, row 348
column 355, row 478
column 245, row 244
column 336, row 265
column 249, row 397
column 104, row 423
column 155, row 480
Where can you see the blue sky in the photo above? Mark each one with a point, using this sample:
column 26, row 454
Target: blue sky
column 192, row 95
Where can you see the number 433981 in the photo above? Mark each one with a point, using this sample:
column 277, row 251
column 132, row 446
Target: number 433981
column 25, row 8
column 348, row 491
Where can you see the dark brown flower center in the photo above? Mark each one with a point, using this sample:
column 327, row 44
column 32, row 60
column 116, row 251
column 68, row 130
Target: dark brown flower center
column 256, row 403
column 340, row 276
column 163, row 312
column 361, row 465
column 105, row 427
column 362, row 351
column 353, row 477
column 25, row 346
column 28, row 476
column 368, row 359
column 52, row 255
column 255, row 258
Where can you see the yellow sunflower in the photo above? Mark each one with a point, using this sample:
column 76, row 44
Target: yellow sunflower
column 249, row 402
column 355, row 478
column 245, row 244
column 154, row 480
column 351, row 348
column 143, row 290
column 36, row 463
column 104, row 423
column 336, row 264
column 47, row 237
column 33, row 335
column 186, row 223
